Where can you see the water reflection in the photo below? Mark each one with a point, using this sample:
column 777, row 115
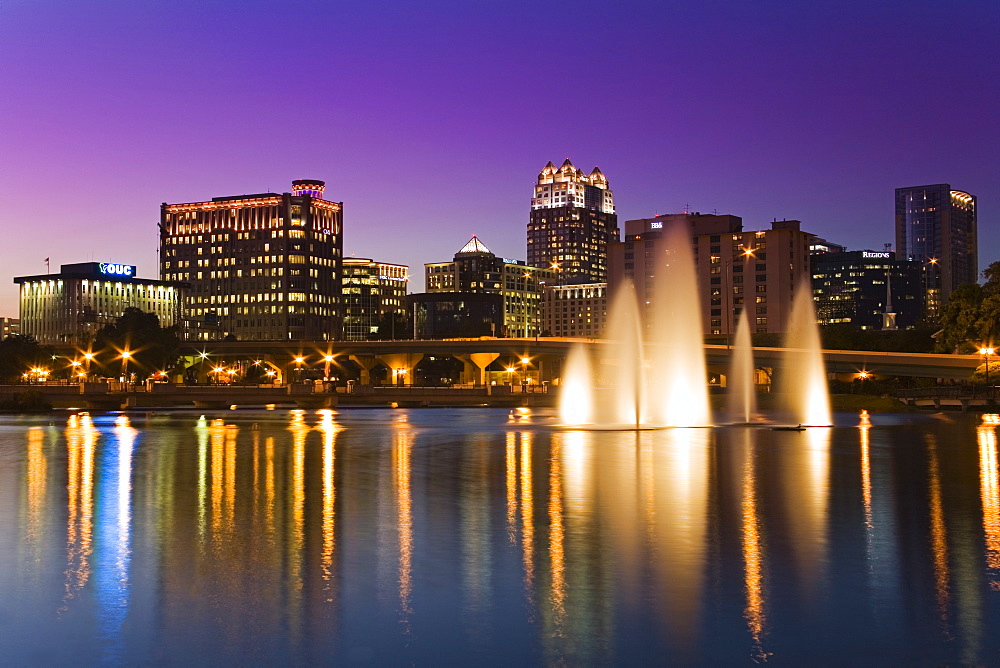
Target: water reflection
column 989, row 492
column 113, row 553
column 752, row 550
column 304, row 537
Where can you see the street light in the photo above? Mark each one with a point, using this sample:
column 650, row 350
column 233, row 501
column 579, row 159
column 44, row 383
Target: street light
column 747, row 253
column 986, row 352
column 326, row 366
column 126, row 355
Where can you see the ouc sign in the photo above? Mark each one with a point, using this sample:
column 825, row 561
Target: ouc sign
column 112, row 269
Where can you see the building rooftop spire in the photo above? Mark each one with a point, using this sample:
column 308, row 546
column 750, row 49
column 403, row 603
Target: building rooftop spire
column 474, row 245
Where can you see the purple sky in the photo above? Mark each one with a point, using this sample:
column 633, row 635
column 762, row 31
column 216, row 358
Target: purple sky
column 431, row 120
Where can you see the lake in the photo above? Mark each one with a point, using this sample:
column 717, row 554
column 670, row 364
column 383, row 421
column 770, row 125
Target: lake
column 488, row 537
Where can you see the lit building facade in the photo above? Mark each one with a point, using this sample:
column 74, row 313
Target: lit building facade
column 475, row 269
column 9, row 327
column 575, row 310
column 938, row 226
column 71, row 306
column 729, row 278
column 264, row 267
column 862, row 287
column 374, row 294
column 572, row 223
column 450, row 315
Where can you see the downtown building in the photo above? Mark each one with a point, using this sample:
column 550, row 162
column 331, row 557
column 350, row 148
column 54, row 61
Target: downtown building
column 374, row 299
column 868, row 289
column 736, row 270
column 264, row 267
column 9, row 327
column 69, row 308
column 575, row 310
column 938, row 227
column 572, row 223
column 475, row 270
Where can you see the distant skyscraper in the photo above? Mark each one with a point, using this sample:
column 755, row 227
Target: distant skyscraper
column 374, row 298
column 937, row 225
column 264, row 267
column 572, row 222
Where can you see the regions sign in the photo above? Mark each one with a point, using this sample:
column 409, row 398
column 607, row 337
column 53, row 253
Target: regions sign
column 874, row 254
column 112, row 269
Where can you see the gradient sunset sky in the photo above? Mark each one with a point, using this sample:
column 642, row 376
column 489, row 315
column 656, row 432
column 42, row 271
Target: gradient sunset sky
column 431, row 120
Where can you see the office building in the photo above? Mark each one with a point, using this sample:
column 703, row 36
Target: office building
column 9, row 327
column 451, row 315
column 265, row 267
column 571, row 224
column 476, row 269
column 867, row 289
column 938, row 226
column 374, row 300
column 575, row 310
column 71, row 306
column 735, row 269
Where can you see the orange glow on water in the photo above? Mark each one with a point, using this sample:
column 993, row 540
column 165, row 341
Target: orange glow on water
column 557, row 552
column 989, row 492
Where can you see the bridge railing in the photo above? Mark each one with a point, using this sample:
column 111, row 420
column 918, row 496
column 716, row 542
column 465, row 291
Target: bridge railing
column 948, row 392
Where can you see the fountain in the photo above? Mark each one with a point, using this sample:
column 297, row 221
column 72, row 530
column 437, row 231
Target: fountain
column 655, row 376
column 803, row 383
column 742, row 397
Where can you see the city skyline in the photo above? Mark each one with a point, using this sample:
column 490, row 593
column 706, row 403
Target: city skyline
column 431, row 125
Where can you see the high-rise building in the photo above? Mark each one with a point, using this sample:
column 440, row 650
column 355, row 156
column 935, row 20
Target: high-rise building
column 862, row 288
column 374, row 298
column 71, row 306
column 937, row 225
column 9, row 327
column 263, row 267
column 572, row 222
column 475, row 269
column 575, row 310
column 735, row 269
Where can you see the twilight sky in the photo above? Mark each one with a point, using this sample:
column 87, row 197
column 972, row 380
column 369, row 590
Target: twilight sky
column 431, row 120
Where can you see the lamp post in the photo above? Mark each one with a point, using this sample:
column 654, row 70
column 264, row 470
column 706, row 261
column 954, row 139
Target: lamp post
column 126, row 356
column 747, row 252
column 525, row 361
column 298, row 368
column 986, row 352
column 327, row 360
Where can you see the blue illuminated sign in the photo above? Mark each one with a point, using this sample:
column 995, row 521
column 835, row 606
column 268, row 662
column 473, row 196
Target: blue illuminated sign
column 112, row 269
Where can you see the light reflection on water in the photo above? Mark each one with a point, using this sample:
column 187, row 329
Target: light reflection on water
column 482, row 535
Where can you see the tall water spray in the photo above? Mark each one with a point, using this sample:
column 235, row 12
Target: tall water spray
column 803, row 374
column 678, row 387
column 576, row 391
column 621, row 399
column 741, row 392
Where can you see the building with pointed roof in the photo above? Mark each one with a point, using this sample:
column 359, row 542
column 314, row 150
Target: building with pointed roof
column 476, row 269
column 572, row 222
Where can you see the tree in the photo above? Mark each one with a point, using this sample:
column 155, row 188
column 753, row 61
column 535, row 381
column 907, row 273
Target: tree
column 18, row 353
column 150, row 347
column 962, row 322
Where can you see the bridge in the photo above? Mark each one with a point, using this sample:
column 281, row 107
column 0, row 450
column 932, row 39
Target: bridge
column 546, row 357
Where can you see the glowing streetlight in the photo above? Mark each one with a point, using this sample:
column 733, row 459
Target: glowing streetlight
column 986, row 352
column 126, row 356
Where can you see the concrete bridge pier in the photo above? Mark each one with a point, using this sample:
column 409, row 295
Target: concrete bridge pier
column 474, row 366
column 367, row 363
column 401, row 365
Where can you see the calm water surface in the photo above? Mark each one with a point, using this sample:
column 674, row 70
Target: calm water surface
column 471, row 536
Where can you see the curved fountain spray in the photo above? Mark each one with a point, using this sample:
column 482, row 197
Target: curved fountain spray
column 660, row 379
column 803, row 383
column 741, row 392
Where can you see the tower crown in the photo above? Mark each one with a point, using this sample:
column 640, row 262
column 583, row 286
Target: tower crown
column 308, row 187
